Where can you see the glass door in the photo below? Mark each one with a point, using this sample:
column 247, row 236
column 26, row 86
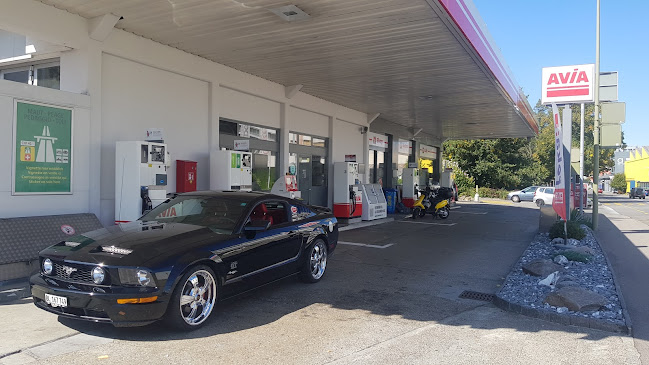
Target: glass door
column 318, row 181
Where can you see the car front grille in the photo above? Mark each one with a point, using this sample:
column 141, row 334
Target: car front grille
column 77, row 273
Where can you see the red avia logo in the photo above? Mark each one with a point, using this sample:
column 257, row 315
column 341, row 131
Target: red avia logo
column 571, row 83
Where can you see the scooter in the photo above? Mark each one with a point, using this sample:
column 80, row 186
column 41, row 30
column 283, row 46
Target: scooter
column 433, row 203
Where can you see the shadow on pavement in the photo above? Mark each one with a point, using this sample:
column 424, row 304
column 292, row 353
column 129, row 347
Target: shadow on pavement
column 419, row 278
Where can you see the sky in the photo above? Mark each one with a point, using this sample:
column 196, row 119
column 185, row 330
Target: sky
column 533, row 34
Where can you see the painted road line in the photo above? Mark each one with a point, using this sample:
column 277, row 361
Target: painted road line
column 465, row 212
column 431, row 223
column 364, row 244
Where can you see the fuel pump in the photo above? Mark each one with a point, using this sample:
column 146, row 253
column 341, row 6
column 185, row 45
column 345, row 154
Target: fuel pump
column 140, row 178
column 230, row 170
column 348, row 202
column 410, row 178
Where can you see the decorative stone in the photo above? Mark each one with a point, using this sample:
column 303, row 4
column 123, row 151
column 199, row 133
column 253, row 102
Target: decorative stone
column 573, row 241
column 562, row 310
column 561, row 260
column 558, row 241
column 583, row 250
column 541, row 267
column 567, row 278
column 576, row 299
column 564, row 247
column 551, row 280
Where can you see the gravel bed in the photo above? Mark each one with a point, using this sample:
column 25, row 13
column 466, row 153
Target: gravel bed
column 525, row 290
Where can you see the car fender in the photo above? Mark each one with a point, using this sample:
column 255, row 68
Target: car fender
column 194, row 258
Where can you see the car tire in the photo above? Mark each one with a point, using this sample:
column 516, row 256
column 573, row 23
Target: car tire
column 540, row 203
column 315, row 262
column 516, row 199
column 189, row 296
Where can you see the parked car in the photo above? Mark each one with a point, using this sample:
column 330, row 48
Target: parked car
column 636, row 193
column 520, row 195
column 543, row 195
column 176, row 261
column 599, row 191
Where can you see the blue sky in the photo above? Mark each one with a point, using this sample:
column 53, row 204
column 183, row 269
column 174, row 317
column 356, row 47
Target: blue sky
column 543, row 33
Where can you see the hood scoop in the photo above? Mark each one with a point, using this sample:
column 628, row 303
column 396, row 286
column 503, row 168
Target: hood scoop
column 115, row 250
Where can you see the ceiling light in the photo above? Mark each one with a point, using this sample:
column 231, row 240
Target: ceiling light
column 426, row 97
column 290, row 13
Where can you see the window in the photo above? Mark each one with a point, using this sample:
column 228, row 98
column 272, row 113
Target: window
column 318, row 142
column 271, row 211
column 304, row 140
column 217, row 213
column 42, row 74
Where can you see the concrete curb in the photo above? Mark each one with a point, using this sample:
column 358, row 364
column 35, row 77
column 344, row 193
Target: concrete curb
column 567, row 319
column 365, row 224
column 12, row 290
column 625, row 312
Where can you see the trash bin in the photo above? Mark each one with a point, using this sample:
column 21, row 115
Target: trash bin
column 391, row 199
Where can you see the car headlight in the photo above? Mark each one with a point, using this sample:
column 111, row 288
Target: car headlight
column 98, row 275
column 47, row 267
column 138, row 277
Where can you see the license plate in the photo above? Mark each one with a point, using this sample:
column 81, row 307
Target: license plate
column 56, row 301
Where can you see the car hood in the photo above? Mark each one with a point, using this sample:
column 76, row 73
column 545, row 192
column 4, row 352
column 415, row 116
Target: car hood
column 132, row 244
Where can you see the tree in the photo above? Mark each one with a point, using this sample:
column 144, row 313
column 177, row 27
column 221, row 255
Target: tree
column 515, row 162
column 619, row 182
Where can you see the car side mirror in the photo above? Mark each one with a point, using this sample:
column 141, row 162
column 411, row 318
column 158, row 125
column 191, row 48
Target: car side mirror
column 256, row 226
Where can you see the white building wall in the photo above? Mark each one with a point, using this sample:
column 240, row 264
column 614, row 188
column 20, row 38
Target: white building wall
column 35, row 205
column 249, row 108
column 11, row 45
column 300, row 120
column 137, row 97
column 135, row 83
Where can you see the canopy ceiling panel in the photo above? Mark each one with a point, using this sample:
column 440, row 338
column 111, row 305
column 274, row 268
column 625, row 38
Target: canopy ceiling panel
column 413, row 61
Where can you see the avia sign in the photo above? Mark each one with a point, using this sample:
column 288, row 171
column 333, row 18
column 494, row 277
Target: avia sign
column 568, row 84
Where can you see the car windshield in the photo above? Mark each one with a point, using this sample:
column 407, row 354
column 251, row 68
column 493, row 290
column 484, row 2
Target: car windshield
column 217, row 213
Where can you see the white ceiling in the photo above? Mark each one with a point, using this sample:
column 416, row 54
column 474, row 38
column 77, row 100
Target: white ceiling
column 394, row 57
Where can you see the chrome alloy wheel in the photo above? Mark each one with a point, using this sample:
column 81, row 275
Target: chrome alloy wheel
column 197, row 297
column 318, row 261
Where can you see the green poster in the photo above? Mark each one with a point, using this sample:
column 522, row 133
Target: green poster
column 43, row 149
column 233, row 160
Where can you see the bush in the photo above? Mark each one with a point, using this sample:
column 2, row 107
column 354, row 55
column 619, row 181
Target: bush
column 465, row 184
column 574, row 230
column 581, row 218
column 493, row 193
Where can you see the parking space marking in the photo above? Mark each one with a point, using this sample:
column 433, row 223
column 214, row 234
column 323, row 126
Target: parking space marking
column 465, row 212
column 365, row 244
column 409, row 220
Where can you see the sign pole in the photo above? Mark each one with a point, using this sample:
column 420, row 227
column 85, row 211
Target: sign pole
column 596, row 128
column 581, row 161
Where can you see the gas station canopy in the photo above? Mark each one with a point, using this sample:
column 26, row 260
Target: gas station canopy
column 426, row 65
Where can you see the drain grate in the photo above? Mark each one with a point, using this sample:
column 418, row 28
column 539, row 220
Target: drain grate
column 467, row 294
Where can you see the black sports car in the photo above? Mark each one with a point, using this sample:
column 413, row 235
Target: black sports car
column 178, row 259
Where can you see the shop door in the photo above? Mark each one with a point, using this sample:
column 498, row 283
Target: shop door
column 304, row 177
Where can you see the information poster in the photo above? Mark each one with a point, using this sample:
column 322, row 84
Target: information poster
column 42, row 149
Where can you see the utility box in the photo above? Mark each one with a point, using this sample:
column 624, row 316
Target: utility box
column 185, row 176
column 230, row 170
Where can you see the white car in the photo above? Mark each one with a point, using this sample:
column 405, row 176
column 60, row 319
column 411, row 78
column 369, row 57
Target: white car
column 543, row 195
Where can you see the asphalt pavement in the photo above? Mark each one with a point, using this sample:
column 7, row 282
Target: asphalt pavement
column 391, row 295
column 624, row 235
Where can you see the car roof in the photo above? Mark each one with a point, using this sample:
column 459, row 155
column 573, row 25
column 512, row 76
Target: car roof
column 244, row 196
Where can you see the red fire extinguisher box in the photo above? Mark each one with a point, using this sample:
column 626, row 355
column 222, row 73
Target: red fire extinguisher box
column 185, row 176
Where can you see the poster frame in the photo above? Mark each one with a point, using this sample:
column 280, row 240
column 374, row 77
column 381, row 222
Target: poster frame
column 14, row 136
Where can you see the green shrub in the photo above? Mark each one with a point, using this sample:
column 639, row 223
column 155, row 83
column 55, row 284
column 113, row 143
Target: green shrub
column 574, row 230
column 581, row 218
column 492, row 193
column 465, row 184
column 575, row 256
